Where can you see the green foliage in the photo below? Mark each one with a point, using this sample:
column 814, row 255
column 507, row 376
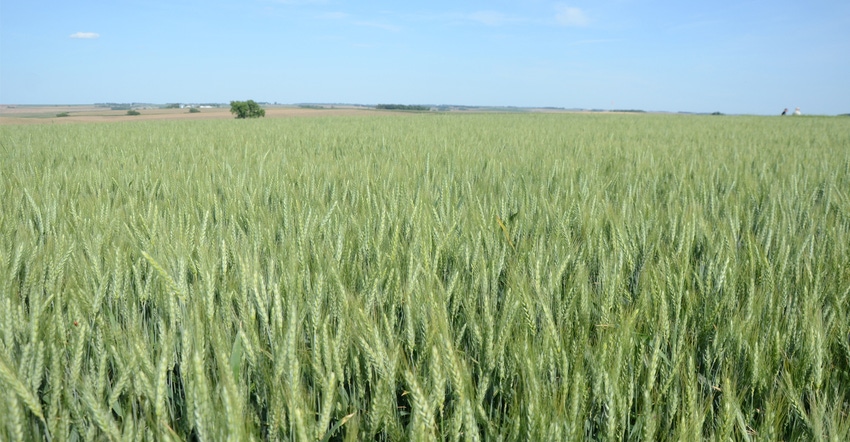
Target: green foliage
column 247, row 109
column 194, row 110
column 451, row 276
column 407, row 107
column 133, row 112
column 63, row 114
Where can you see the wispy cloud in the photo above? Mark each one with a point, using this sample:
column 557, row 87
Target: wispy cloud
column 571, row 16
column 350, row 19
column 85, row 35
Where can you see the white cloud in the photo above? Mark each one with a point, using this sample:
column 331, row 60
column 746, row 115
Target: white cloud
column 350, row 19
column 571, row 16
column 85, row 35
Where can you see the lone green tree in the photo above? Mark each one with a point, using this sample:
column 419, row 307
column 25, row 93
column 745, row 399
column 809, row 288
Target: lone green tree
column 246, row 109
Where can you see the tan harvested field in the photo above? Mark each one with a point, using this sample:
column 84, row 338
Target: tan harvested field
column 89, row 114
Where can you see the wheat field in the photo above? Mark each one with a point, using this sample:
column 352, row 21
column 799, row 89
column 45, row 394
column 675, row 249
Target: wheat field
column 427, row 277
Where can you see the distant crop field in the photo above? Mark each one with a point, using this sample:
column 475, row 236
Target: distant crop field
column 426, row 276
column 19, row 115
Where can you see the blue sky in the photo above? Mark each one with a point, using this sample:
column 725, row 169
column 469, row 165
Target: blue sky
column 730, row 56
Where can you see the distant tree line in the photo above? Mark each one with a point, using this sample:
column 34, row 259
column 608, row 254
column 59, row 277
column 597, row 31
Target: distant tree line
column 126, row 106
column 192, row 105
column 120, row 106
column 408, row 107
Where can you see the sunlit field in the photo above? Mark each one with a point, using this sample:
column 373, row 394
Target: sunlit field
column 427, row 276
